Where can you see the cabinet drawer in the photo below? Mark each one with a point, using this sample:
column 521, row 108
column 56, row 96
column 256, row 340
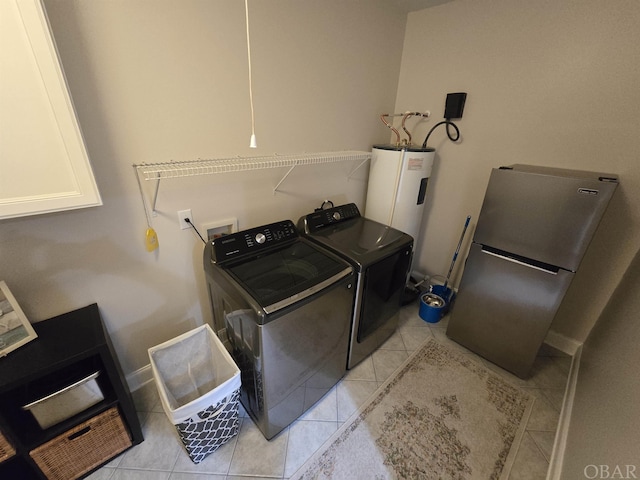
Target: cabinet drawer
column 84, row 447
column 6, row 450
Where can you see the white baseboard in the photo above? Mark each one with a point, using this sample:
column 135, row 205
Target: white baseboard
column 137, row 379
column 560, row 442
column 563, row 343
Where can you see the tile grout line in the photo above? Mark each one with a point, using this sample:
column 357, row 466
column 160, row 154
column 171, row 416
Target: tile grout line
column 286, row 448
column 536, row 443
column 241, row 420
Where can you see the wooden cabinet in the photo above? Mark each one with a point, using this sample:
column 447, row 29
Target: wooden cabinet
column 44, row 166
column 68, row 348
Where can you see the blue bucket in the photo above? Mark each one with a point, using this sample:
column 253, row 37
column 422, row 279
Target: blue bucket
column 431, row 307
column 445, row 293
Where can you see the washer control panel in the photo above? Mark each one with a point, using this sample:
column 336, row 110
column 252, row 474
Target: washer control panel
column 323, row 218
column 254, row 240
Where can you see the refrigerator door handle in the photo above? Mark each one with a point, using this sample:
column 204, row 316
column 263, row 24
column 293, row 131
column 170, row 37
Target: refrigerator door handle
column 519, row 262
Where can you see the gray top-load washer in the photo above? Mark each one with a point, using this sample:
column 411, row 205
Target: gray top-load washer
column 381, row 256
column 282, row 307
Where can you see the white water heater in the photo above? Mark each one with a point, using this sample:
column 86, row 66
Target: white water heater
column 397, row 187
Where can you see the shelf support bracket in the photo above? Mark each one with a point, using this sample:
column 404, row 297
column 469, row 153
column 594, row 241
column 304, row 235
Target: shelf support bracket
column 155, row 197
column 355, row 169
column 275, row 189
column 150, row 211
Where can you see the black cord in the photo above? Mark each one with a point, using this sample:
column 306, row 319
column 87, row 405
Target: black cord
column 326, row 202
column 446, row 122
column 188, row 220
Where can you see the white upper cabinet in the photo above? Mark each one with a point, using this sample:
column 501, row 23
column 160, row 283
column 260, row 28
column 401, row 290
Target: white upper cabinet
column 44, row 166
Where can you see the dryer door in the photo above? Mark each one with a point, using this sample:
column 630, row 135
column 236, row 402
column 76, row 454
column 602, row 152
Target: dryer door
column 384, row 283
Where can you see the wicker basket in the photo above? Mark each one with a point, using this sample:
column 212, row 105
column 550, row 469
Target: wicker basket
column 83, row 448
column 6, row 450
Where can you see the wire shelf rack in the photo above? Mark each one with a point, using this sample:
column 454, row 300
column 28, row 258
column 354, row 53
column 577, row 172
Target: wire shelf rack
column 154, row 171
column 179, row 169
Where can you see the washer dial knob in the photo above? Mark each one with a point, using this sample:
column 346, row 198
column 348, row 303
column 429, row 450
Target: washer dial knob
column 260, row 238
column 336, row 215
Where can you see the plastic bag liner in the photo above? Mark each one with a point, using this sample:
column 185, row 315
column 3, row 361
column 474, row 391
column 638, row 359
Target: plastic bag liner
column 198, row 383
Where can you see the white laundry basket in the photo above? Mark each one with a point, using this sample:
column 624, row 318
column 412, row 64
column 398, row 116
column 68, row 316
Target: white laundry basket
column 199, row 387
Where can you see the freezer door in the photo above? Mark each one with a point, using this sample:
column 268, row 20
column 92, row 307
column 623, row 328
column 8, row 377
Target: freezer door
column 547, row 217
column 504, row 308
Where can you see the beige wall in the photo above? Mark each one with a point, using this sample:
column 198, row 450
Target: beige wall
column 549, row 83
column 164, row 80
column 606, row 413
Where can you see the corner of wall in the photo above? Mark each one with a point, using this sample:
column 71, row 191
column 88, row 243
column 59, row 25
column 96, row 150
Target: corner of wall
column 140, row 377
column 565, row 344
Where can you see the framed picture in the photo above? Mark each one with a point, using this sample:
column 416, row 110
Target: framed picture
column 15, row 329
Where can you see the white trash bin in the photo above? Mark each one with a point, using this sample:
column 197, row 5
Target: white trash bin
column 199, row 387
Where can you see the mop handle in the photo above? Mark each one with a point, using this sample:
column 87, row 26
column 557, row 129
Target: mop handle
column 455, row 255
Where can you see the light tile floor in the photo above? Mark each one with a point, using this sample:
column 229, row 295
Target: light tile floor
column 161, row 456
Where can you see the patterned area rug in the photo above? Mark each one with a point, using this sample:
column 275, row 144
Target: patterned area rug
column 442, row 416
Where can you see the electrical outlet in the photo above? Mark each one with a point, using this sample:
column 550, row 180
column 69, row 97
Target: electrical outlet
column 182, row 215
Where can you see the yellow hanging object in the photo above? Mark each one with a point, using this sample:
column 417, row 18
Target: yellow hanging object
column 151, row 237
column 151, row 240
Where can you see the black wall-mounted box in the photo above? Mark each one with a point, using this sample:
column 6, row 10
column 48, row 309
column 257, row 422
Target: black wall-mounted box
column 454, row 105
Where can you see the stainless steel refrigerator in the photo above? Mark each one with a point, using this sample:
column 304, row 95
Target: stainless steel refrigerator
column 532, row 232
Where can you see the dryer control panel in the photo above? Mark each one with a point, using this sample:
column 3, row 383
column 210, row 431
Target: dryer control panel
column 252, row 241
column 323, row 218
